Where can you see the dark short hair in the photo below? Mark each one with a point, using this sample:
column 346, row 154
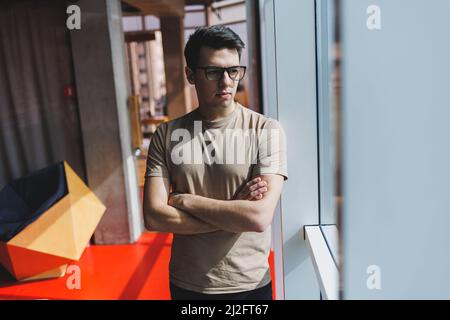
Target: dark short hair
column 216, row 37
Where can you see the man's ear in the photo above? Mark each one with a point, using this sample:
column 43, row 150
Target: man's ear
column 189, row 75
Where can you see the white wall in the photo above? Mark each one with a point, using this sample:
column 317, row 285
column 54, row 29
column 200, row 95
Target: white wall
column 396, row 150
column 289, row 94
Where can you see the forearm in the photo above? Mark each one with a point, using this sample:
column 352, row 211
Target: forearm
column 169, row 219
column 229, row 215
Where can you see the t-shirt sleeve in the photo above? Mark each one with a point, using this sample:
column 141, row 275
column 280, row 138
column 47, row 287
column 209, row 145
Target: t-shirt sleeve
column 272, row 157
column 156, row 159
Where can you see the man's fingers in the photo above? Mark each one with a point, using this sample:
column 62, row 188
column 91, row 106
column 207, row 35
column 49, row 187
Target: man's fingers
column 258, row 185
column 258, row 192
column 253, row 188
column 249, row 187
column 257, row 197
column 263, row 190
column 253, row 181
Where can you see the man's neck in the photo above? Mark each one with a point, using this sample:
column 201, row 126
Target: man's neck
column 216, row 113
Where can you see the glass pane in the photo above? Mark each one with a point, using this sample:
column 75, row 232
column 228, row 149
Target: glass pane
column 328, row 85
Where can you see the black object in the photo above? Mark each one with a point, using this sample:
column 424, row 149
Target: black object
column 263, row 293
column 22, row 201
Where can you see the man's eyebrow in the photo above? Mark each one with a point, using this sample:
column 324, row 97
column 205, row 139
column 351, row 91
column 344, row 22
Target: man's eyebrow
column 210, row 66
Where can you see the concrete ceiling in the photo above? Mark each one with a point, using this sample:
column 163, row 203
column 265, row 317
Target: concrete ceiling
column 159, row 8
column 195, row 2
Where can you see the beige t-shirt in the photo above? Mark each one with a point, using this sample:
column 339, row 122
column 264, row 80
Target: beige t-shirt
column 214, row 159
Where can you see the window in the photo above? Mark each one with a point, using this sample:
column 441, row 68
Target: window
column 326, row 52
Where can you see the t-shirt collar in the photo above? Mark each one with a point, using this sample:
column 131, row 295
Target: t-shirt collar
column 220, row 122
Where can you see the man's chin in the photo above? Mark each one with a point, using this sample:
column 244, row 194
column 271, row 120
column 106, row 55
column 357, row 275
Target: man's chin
column 226, row 104
column 220, row 104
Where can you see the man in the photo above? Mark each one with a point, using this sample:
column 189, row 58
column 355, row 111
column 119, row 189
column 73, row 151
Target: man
column 213, row 179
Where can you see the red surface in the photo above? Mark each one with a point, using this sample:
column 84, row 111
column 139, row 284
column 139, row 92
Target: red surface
column 137, row 271
column 24, row 266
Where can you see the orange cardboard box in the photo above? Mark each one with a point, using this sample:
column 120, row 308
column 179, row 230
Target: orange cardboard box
column 57, row 237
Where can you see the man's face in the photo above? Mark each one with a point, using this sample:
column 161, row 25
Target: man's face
column 214, row 93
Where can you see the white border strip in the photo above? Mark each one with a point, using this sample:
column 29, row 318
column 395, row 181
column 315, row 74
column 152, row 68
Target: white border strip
column 326, row 270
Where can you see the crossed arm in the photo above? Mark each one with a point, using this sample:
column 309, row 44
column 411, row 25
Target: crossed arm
column 192, row 214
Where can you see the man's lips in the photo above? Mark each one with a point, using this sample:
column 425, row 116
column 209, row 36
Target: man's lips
column 223, row 94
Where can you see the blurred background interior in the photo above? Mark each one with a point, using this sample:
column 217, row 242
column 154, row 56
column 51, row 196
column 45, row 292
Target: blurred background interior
column 360, row 87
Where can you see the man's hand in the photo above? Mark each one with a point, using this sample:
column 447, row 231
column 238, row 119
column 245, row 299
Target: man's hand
column 252, row 190
column 175, row 199
column 159, row 215
column 236, row 215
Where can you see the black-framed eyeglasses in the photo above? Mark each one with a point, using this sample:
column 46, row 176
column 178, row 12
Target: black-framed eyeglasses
column 235, row 73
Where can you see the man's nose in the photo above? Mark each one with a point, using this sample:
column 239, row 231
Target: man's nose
column 226, row 80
